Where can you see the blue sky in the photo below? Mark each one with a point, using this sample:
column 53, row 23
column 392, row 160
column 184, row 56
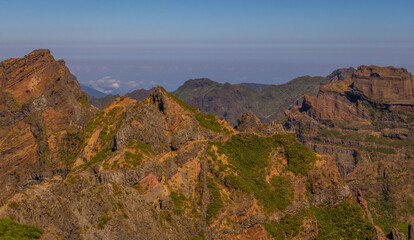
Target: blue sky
column 117, row 46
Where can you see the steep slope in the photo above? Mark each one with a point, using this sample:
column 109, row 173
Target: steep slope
column 268, row 103
column 41, row 108
column 366, row 122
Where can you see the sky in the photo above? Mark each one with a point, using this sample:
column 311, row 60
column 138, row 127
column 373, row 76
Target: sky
column 119, row 46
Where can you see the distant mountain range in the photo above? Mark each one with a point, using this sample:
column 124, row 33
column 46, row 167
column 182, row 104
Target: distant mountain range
column 229, row 101
column 267, row 102
column 92, row 92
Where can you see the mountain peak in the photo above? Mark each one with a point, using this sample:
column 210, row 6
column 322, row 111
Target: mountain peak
column 199, row 82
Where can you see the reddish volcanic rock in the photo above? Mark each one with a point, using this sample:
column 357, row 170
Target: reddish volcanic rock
column 384, row 84
column 39, row 104
column 381, row 85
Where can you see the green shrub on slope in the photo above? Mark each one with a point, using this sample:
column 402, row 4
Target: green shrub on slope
column 12, row 230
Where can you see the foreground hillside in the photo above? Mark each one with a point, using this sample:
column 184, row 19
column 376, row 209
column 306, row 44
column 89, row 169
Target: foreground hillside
column 366, row 122
column 157, row 168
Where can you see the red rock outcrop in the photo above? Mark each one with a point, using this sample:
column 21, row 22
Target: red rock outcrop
column 387, row 86
column 39, row 104
column 384, row 84
column 365, row 121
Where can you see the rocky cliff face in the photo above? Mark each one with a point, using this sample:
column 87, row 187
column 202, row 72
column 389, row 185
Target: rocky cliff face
column 40, row 106
column 159, row 169
column 366, row 122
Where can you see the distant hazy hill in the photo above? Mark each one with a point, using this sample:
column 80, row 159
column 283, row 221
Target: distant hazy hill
column 93, row 92
column 101, row 102
column 267, row 102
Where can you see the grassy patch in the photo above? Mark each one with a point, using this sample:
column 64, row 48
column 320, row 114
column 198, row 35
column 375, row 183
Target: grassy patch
column 84, row 100
column 12, row 230
column 71, row 145
column 210, row 122
column 140, row 146
column 289, row 226
column 248, row 155
column 179, row 201
column 379, row 140
column 386, row 213
column 216, row 204
column 298, row 156
column 343, row 221
column 134, row 159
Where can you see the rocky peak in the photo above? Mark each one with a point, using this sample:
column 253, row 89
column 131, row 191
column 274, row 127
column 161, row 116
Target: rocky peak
column 40, row 103
column 339, row 75
column 199, row 82
column 249, row 122
column 383, row 84
column 386, row 86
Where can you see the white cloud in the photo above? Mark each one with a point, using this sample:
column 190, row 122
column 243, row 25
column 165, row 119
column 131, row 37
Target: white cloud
column 132, row 84
column 106, row 84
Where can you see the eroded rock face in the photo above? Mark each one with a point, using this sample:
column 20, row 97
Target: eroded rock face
column 39, row 102
column 384, row 84
column 365, row 122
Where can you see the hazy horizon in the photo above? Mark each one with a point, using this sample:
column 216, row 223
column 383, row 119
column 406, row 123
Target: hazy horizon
column 120, row 46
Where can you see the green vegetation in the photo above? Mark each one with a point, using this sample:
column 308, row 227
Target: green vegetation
column 103, row 221
column 111, row 122
column 99, row 157
column 210, row 122
column 380, row 140
column 384, row 212
column 248, row 155
column 298, row 156
column 282, row 190
column 289, row 226
column 71, row 145
column 341, row 221
column 134, row 159
column 12, row 230
column 84, row 100
column 179, row 201
column 140, row 146
column 216, row 204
